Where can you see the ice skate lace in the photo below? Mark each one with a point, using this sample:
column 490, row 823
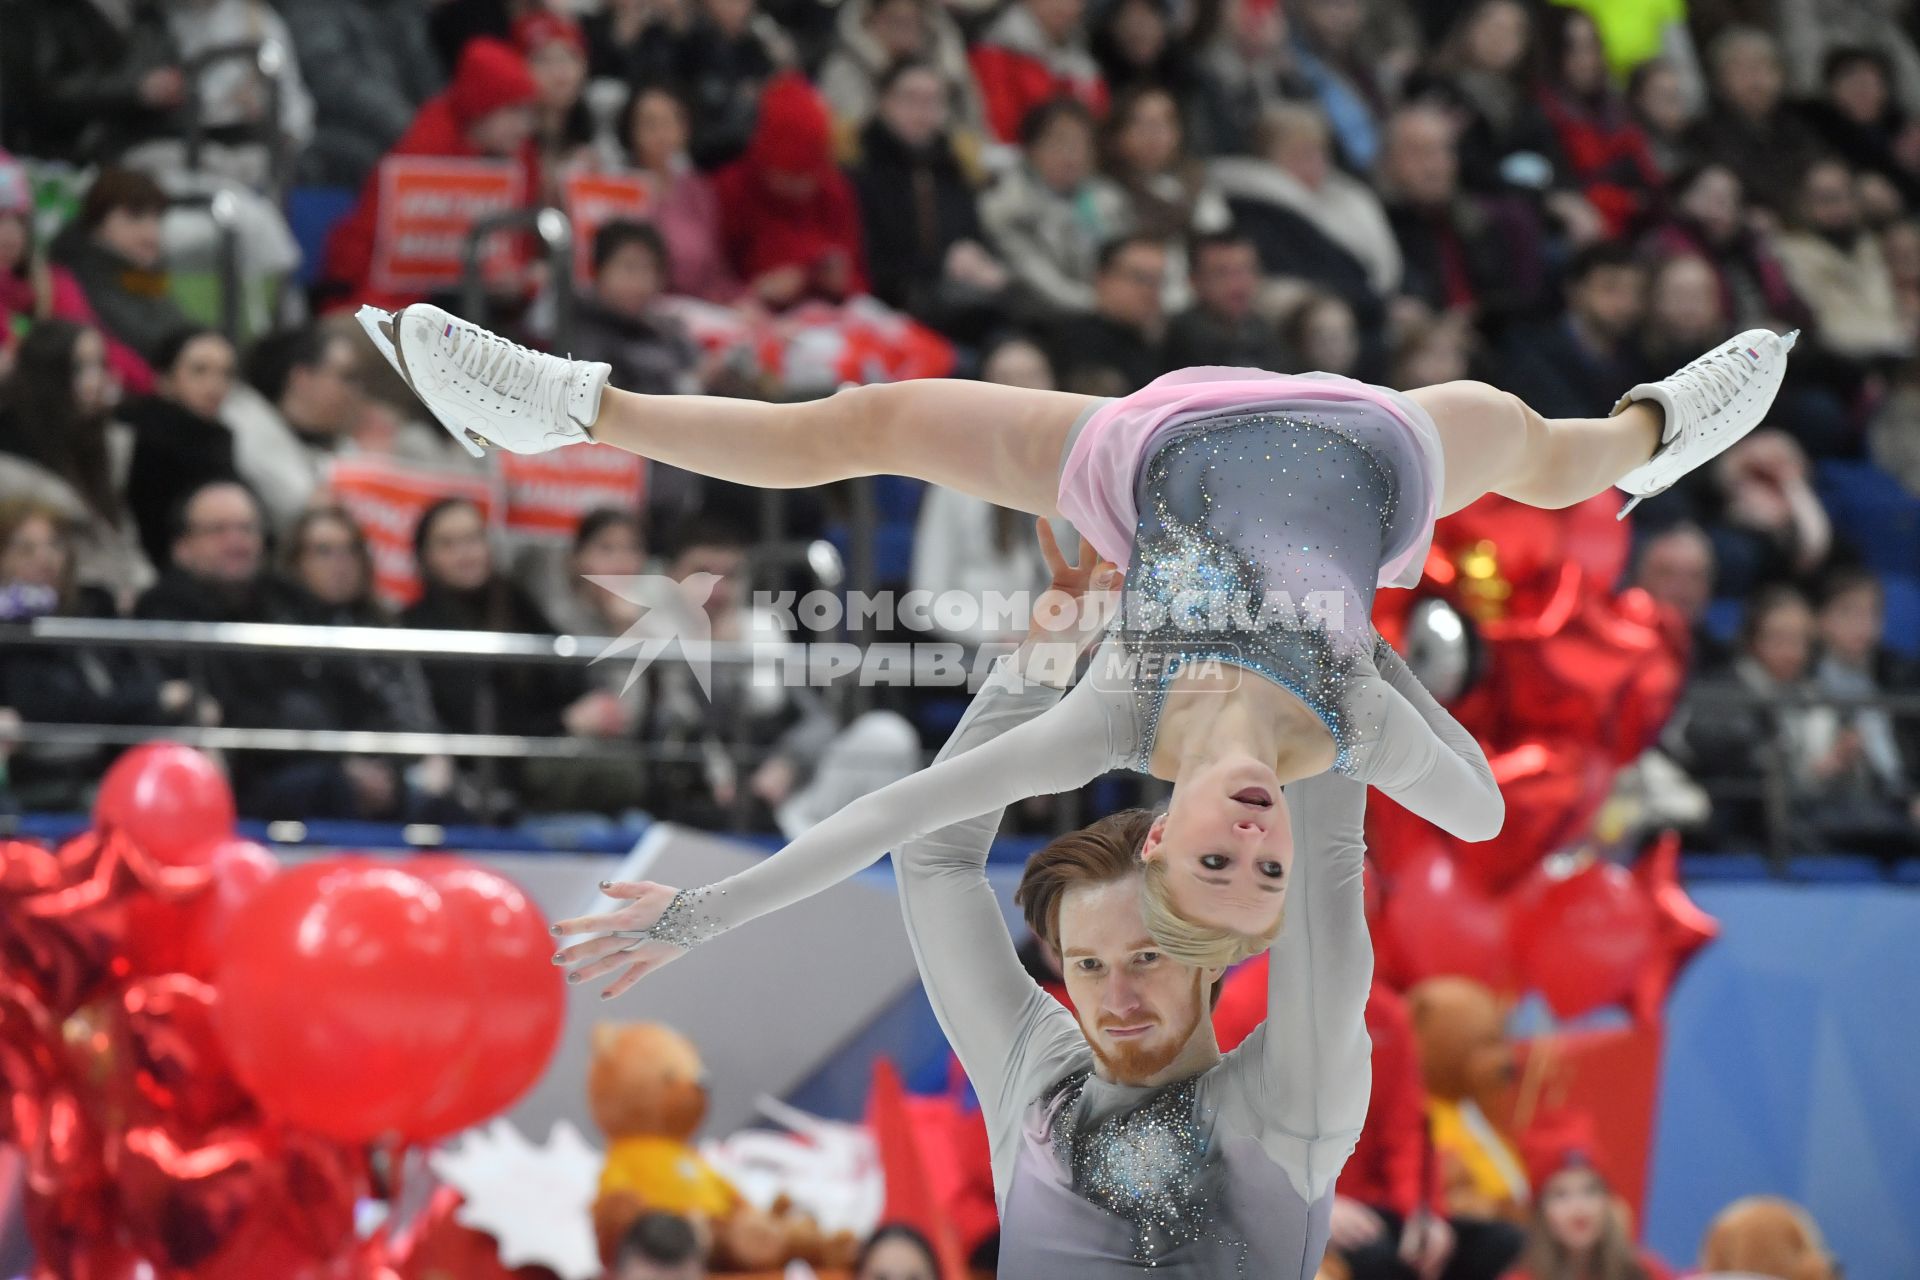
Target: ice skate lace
column 512, row 371
column 1705, row 387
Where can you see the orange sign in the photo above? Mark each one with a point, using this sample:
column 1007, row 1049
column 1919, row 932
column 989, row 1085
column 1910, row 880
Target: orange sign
column 547, row 493
column 428, row 206
column 595, row 199
column 387, row 498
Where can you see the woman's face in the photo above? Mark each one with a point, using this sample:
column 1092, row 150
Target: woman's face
column 1140, row 32
column 1683, row 306
column 94, row 390
column 1228, row 845
column 503, row 133
column 1713, row 201
column 614, row 550
column 659, row 131
column 13, row 242
column 1574, row 1206
column 1860, row 91
column 1149, row 142
column 1750, row 77
column 329, row 563
column 561, row 72
column 35, row 556
column 896, row 1259
column 1497, row 40
column 1583, row 65
column 456, row 553
column 201, row 377
column 1662, row 101
column 1018, row 364
column 915, row 107
column 1852, row 624
column 1062, row 156
column 1783, row 643
column 899, row 28
column 134, row 236
column 1330, row 339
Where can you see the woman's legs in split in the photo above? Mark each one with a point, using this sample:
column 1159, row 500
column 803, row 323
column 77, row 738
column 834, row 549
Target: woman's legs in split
column 1494, row 442
column 999, row 443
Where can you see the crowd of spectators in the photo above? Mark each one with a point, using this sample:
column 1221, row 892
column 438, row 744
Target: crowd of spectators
column 1562, row 198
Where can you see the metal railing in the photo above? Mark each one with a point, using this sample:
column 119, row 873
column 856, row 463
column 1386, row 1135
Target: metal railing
column 554, row 229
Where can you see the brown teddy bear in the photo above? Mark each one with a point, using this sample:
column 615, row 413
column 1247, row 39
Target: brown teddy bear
column 1766, row 1236
column 1468, row 1065
column 648, row 1092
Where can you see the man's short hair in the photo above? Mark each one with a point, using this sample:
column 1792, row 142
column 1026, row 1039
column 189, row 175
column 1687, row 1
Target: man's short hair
column 1225, row 238
column 664, row 1239
column 1845, row 580
column 1606, row 255
column 178, row 515
column 271, row 363
column 1110, row 251
column 1034, row 125
column 614, row 236
column 1099, row 853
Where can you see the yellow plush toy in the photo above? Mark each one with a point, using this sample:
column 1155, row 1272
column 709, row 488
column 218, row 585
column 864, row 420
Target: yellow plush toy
column 648, row 1092
column 1467, row 1065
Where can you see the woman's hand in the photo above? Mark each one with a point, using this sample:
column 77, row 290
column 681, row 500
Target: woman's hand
column 1071, row 614
column 611, row 953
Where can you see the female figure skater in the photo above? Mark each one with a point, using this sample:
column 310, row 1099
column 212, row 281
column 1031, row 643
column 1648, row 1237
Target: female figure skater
column 1255, row 514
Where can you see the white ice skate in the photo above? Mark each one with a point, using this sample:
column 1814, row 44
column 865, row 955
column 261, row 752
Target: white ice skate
column 485, row 390
column 1710, row 404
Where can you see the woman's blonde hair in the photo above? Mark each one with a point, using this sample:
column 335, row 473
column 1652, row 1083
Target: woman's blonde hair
column 1202, row 946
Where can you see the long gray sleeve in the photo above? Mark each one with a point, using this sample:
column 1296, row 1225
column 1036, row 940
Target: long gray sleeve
column 1415, row 752
column 1313, row 1057
column 1011, row 1036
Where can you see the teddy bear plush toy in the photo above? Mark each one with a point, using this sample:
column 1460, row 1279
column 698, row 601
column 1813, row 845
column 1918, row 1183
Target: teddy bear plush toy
column 1468, row 1064
column 648, row 1092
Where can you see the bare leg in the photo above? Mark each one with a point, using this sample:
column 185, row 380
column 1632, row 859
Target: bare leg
column 999, row 443
column 1495, row 443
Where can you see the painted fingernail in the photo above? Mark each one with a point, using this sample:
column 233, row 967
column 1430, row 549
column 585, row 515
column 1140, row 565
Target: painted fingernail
column 554, row 930
column 606, row 995
column 558, row 958
column 606, row 884
column 573, row 977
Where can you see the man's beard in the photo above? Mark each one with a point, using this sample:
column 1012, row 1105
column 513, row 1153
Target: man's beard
column 1136, row 1063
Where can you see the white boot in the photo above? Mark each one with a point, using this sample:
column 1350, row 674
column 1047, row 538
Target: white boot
column 1710, row 404
column 485, row 390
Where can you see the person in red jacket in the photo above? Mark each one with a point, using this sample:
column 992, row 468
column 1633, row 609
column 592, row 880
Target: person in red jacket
column 486, row 113
column 1606, row 150
column 1034, row 52
column 789, row 219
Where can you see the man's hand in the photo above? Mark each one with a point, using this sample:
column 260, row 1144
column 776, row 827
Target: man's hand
column 1354, row 1225
column 1426, row 1243
column 1071, row 614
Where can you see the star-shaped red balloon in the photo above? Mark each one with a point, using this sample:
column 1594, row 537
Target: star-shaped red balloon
column 1682, row 927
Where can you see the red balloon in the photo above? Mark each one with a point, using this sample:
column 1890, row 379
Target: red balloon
column 187, row 935
column 169, row 799
column 183, row 1200
column 346, row 997
column 1682, row 927
column 1437, row 922
column 525, row 995
column 1582, row 933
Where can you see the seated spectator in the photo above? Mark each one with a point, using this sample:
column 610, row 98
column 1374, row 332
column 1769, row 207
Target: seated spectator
column 1578, row 1228
column 1834, row 263
column 294, row 414
column 789, row 219
column 1430, row 351
column 1320, row 334
column 1346, row 74
column 1675, row 567
column 1153, row 188
column 54, row 447
column 1124, row 337
column 1873, row 805
column 1244, row 72
column 99, row 77
column 70, row 684
column 1710, row 220
column 1574, row 365
column 919, row 212
column 462, row 591
column 684, row 207
column 218, row 573
column 720, row 65
column 659, row 1246
column 1040, row 215
column 1222, row 326
column 1770, row 525
column 1033, row 52
column 378, row 69
column 966, row 547
column 1459, row 253
column 1606, row 153
column 619, row 322
column 896, row 1252
column 1137, row 46
column 113, row 251
column 1750, row 128
column 1482, row 71
column 556, row 54
column 179, row 442
column 1638, row 34
column 1812, row 31
column 1685, row 312
column 487, row 114
column 874, row 37
column 1309, row 218
column 1657, row 97
column 1857, row 118
column 1769, row 1237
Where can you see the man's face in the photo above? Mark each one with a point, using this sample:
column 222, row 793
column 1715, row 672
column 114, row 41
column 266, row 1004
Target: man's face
column 1828, row 201
column 1137, row 1008
column 223, row 540
column 1128, row 290
column 1225, row 279
column 1421, row 162
column 325, row 398
column 1611, row 300
column 1678, row 570
column 629, row 282
column 1750, row 79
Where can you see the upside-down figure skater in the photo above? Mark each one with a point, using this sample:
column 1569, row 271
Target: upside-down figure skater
column 1255, row 513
